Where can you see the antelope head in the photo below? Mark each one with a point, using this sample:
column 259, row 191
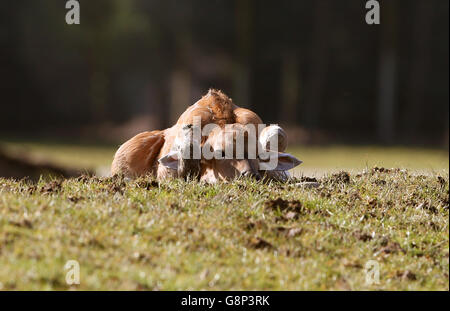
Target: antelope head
column 229, row 152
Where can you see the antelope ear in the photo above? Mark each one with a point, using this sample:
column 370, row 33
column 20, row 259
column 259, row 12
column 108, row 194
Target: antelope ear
column 285, row 162
column 170, row 160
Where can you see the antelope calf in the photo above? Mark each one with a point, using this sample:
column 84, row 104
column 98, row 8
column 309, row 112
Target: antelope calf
column 224, row 151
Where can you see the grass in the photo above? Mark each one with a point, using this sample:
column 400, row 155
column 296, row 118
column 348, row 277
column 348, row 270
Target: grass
column 72, row 155
column 244, row 235
column 176, row 235
column 318, row 160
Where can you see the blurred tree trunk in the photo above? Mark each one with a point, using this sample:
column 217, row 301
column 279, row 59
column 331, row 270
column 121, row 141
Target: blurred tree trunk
column 181, row 76
column 446, row 134
column 387, row 73
column 180, row 93
column 319, row 61
column 420, row 62
column 290, row 84
column 244, row 36
column 99, row 83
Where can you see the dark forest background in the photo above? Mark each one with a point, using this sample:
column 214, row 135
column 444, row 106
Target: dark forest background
column 314, row 67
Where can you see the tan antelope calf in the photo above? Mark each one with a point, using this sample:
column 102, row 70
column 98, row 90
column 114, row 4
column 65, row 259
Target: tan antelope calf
column 161, row 153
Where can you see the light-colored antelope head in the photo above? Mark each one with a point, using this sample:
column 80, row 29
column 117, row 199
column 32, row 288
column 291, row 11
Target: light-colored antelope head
column 230, row 152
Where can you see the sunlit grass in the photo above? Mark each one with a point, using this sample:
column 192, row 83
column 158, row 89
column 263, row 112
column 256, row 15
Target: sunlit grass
column 72, row 155
column 177, row 235
column 318, row 160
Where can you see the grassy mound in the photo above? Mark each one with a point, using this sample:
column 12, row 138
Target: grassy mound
column 304, row 235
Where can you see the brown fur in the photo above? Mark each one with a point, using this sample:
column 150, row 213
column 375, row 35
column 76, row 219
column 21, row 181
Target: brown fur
column 216, row 107
column 139, row 155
